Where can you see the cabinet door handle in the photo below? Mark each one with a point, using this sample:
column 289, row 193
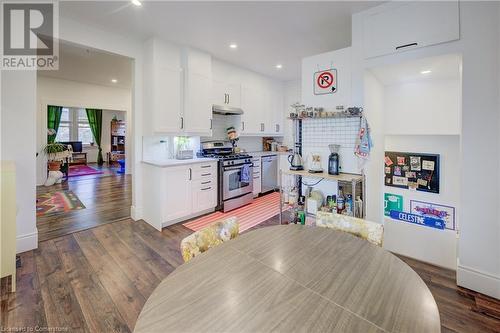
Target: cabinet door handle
column 262, row 127
column 205, row 166
column 228, row 98
column 205, row 174
column 190, row 174
column 225, row 98
column 206, row 188
column 205, row 183
column 242, row 125
column 277, row 128
column 406, row 45
column 211, row 124
column 182, row 122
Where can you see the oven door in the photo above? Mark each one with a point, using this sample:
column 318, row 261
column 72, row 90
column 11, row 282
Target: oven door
column 232, row 186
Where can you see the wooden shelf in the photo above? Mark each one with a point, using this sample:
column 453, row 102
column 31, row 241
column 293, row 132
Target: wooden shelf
column 336, row 115
column 343, row 177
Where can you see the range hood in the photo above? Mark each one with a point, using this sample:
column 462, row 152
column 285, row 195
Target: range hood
column 226, row 110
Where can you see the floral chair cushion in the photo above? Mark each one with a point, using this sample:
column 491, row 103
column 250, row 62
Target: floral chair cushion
column 208, row 237
column 371, row 231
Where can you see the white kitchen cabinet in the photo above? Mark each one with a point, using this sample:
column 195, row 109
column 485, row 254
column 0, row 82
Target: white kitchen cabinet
column 226, row 94
column 176, row 193
column 197, row 116
column 276, row 125
column 177, row 89
column 408, row 25
column 253, row 114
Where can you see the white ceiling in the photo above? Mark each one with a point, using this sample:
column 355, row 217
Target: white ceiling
column 446, row 67
column 83, row 64
column 267, row 33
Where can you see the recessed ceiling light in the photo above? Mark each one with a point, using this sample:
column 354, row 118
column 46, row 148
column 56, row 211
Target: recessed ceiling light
column 233, row 46
column 137, row 3
column 279, row 66
column 114, row 80
column 426, row 72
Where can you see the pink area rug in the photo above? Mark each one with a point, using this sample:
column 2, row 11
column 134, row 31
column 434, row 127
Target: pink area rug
column 82, row 170
column 260, row 210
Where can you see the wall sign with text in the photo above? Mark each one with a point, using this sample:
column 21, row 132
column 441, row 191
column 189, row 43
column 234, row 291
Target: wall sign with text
column 417, row 219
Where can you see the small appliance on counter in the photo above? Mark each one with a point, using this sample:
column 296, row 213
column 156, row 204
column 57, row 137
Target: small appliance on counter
column 315, row 166
column 334, row 160
column 296, row 162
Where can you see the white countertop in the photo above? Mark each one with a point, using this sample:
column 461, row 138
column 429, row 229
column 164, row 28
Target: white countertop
column 164, row 163
column 266, row 153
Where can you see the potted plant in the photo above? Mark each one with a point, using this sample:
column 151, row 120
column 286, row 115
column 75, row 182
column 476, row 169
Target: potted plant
column 56, row 153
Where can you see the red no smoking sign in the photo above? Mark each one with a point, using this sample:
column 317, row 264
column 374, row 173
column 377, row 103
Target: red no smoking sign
column 325, row 82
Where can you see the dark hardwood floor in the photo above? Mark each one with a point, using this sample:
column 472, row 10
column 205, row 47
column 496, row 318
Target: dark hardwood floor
column 107, row 198
column 97, row 280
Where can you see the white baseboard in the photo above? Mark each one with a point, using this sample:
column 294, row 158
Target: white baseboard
column 482, row 282
column 27, row 242
column 136, row 213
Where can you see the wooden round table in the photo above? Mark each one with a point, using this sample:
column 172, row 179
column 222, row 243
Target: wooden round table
column 292, row 278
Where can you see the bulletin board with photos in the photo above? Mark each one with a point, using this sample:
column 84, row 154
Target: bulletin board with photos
column 412, row 171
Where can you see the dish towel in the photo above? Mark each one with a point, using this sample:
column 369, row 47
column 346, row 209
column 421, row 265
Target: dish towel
column 364, row 143
column 245, row 174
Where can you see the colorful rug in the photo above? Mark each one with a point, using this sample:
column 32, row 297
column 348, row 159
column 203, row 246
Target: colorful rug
column 262, row 209
column 82, row 170
column 57, row 202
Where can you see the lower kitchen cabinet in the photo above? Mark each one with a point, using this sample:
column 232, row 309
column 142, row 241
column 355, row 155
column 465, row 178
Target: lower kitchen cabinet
column 176, row 193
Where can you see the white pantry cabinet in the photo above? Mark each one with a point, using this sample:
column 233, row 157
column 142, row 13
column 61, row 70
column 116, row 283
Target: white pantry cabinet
column 408, row 25
column 177, row 193
column 177, row 86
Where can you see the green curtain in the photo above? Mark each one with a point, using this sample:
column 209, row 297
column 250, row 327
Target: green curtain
column 53, row 120
column 95, row 121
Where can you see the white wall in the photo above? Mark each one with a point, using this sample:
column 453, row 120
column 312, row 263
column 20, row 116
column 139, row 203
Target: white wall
column 292, row 95
column 423, row 107
column 374, row 169
column 51, row 91
column 89, row 35
column 18, row 136
column 404, row 238
column 338, row 59
column 479, row 238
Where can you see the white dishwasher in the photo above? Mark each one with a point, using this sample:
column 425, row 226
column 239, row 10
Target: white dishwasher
column 256, row 176
column 269, row 173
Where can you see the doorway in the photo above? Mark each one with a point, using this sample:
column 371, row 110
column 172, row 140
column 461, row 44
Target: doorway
column 84, row 117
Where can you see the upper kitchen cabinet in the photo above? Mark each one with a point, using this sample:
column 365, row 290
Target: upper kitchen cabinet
column 335, row 66
column 197, row 115
column 177, row 85
column 163, row 87
column 226, row 94
column 407, row 25
column 252, row 105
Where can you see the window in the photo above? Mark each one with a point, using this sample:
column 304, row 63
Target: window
column 74, row 126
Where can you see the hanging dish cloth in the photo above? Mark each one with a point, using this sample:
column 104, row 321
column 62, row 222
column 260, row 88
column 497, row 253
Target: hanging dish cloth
column 245, row 174
column 364, row 143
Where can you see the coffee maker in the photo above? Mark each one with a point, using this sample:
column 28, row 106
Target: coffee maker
column 334, row 160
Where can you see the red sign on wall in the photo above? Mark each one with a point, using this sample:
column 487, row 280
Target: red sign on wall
column 325, row 82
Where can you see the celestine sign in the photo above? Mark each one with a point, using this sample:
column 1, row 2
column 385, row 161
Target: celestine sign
column 29, row 35
column 417, row 219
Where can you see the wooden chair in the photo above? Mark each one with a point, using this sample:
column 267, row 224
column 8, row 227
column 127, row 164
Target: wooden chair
column 208, row 237
column 371, row 231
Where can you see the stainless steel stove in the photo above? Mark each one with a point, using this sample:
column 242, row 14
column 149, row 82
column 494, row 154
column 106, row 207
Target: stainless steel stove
column 234, row 190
